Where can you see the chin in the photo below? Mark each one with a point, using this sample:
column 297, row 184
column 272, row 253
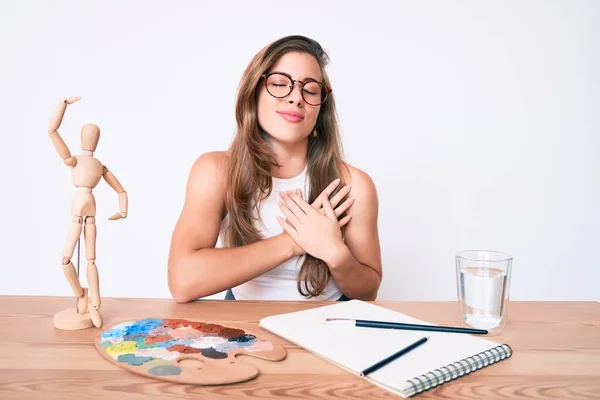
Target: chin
column 289, row 135
column 289, row 139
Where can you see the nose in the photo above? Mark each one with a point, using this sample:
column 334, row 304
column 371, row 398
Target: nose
column 296, row 95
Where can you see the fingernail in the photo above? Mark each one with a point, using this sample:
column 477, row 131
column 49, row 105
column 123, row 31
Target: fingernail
column 280, row 204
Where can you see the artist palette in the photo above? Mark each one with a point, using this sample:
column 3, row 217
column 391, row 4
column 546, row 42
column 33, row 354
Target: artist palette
column 185, row 351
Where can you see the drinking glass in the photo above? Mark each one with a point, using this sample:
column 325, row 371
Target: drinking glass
column 483, row 281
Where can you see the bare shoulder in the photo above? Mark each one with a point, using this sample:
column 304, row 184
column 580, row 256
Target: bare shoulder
column 362, row 183
column 209, row 168
column 215, row 162
column 204, row 201
column 207, row 180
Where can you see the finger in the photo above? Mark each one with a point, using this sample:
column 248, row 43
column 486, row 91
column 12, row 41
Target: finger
column 294, row 208
column 289, row 214
column 286, row 193
column 335, row 200
column 345, row 220
column 345, row 205
column 327, row 192
column 291, row 231
column 289, row 222
column 299, row 193
column 302, row 204
column 328, row 209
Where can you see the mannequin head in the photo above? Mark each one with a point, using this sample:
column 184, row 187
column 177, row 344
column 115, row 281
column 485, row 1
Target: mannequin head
column 90, row 134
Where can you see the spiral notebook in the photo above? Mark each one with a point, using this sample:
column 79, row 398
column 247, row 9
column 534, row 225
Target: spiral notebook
column 444, row 357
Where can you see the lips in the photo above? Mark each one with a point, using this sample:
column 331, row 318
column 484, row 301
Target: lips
column 291, row 116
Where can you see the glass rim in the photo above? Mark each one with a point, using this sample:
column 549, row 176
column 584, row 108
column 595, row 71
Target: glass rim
column 505, row 256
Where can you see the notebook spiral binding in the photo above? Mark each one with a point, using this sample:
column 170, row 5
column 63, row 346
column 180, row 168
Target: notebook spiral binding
column 455, row 370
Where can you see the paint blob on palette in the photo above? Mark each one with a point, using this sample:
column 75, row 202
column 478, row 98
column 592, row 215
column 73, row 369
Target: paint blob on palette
column 185, row 351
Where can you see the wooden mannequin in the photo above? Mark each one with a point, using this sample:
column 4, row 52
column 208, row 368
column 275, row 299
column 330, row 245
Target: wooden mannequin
column 86, row 172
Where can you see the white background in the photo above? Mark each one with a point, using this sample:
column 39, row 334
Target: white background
column 478, row 122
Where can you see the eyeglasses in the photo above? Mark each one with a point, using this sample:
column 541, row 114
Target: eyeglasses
column 280, row 85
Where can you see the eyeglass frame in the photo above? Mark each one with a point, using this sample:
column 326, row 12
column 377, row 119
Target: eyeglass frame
column 294, row 81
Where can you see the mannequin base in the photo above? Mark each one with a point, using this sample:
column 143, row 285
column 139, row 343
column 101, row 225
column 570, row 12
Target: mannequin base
column 70, row 320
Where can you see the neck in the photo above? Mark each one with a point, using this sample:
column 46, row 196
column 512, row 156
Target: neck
column 87, row 153
column 291, row 157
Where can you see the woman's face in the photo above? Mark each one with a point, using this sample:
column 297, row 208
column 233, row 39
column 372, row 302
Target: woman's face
column 290, row 119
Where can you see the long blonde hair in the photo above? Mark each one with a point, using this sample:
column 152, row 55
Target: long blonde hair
column 249, row 175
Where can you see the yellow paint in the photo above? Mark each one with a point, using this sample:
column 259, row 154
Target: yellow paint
column 126, row 347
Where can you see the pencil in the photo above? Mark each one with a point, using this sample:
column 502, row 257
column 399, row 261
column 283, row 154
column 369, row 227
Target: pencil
column 403, row 326
column 393, row 357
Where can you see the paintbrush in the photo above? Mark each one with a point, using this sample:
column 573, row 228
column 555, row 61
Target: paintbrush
column 402, row 326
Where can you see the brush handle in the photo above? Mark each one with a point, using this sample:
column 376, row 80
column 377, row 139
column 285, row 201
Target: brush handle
column 393, row 357
column 415, row 327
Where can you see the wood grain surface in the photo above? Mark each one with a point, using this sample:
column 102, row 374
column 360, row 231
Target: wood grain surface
column 556, row 354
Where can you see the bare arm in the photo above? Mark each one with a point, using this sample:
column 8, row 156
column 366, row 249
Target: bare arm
column 55, row 121
column 196, row 268
column 356, row 265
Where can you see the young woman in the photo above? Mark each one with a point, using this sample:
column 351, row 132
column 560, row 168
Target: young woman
column 294, row 220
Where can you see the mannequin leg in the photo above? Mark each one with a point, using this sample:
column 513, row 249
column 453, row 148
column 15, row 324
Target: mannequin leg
column 92, row 272
column 68, row 268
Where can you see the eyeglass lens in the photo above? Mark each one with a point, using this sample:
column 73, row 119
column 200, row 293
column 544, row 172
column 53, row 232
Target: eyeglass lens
column 280, row 86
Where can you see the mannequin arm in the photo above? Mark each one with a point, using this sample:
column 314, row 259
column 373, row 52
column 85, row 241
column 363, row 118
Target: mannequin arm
column 55, row 121
column 111, row 179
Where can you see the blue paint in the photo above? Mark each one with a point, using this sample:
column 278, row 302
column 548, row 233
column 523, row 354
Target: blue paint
column 134, row 337
column 135, row 329
column 132, row 359
column 170, row 343
column 243, row 345
column 227, row 347
column 163, row 370
column 144, row 325
column 123, row 325
column 244, row 338
column 112, row 333
column 185, row 342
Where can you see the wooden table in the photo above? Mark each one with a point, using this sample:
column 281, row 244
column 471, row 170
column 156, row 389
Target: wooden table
column 556, row 354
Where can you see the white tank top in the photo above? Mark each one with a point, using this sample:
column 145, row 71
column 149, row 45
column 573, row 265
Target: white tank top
column 280, row 282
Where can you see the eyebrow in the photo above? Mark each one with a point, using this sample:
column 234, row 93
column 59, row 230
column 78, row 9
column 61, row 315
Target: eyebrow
column 306, row 78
